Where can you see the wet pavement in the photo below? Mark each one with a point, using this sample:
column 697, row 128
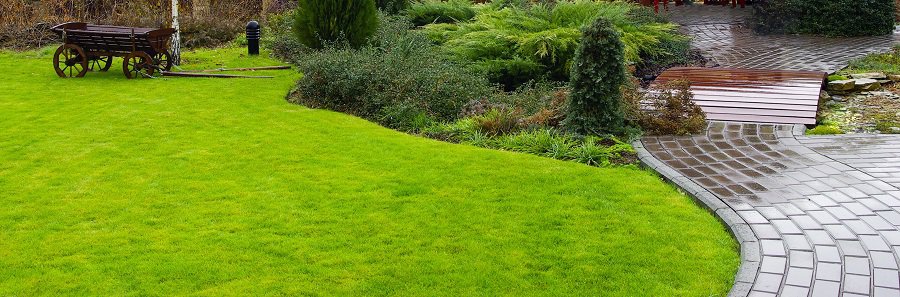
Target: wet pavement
column 815, row 216
column 725, row 36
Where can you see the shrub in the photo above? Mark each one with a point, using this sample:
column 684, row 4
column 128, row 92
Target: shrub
column 333, row 20
column 595, row 105
column 498, row 121
column 399, row 80
column 392, row 6
column 437, row 11
column 829, row 17
column 516, row 44
column 667, row 109
column 824, row 130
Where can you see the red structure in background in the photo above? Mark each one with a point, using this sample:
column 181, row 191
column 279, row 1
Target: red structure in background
column 655, row 3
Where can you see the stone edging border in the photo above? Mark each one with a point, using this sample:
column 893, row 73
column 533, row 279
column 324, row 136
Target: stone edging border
column 740, row 230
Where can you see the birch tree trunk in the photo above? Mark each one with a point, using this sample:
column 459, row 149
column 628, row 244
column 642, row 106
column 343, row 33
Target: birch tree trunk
column 176, row 40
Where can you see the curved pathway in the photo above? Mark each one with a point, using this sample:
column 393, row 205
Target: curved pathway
column 724, row 36
column 815, row 216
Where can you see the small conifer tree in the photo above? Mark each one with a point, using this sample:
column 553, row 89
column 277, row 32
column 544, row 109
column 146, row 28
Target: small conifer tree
column 319, row 21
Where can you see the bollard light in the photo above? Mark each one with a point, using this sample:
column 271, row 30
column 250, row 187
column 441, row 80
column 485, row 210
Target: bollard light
column 253, row 34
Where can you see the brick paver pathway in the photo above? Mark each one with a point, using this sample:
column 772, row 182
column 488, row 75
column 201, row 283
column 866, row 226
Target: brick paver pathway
column 724, row 36
column 815, row 216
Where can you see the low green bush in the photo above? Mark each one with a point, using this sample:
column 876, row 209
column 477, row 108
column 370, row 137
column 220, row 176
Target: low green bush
column 318, row 22
column 828, row 17
column 516, row 44
column 392, row 6
column 437, row 11
column 399, row 80
column 595, row 104
column 824, row 130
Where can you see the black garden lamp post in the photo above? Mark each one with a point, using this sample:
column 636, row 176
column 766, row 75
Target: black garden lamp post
column 253, row 34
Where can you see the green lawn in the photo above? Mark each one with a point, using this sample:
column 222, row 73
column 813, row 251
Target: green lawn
column 190, row 186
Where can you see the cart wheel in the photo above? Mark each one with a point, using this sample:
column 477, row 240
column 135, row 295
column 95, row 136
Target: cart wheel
column 138, row 65
column 70, row 61
column 163, row 60
column 101, row 63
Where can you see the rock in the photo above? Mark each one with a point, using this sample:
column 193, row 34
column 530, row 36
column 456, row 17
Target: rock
column 841, row 85
column 894, row 77
column 866, row 84
column 823, row 96
column 884, row 81
column 881, row 94
column 837, row 98
column 870, row 75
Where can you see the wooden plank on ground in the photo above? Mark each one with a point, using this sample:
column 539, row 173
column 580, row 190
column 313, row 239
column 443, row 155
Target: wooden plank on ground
column 752, row 95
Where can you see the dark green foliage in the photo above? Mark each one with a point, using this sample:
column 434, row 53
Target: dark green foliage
column 519, row 43
column 595, row 104
column 399, row 80
column 437, row 11
column 828, row 17
column 392, row 6
column 319, row 21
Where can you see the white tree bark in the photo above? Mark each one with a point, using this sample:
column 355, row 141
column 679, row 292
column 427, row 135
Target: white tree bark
column 176, row 39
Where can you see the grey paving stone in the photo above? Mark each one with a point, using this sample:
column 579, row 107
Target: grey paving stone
column 888, row 278
column 852, row 248
column 859, row 227
column 786, row 227
column 885, row 292
column 765, row 231
column 829, row 271
column 752, row 217
column 877, row 223
column 794, row 291
column 768, row 282
column 823, row 288
column 772, row 213
column 857, row 265
column 858, row 284
column 874, row 243
column 799, row 277
column 840, row 213
column 823, row 217
column 819, row 237
column 797, row 242
column 840, row 232
column 883, row 260
column 772, row 247
column 825, row 253
column 761, row 294
column 772, row 264
column 892, row 237
column 858, row 209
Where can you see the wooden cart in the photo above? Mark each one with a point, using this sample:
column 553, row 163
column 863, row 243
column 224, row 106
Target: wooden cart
column 92, row 47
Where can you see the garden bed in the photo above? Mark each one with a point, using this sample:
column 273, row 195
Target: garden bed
column 864, row 97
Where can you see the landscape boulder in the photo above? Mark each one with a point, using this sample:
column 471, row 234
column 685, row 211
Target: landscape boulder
column 841, row 85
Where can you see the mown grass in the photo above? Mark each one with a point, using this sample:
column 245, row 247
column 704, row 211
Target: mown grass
column 217, row 187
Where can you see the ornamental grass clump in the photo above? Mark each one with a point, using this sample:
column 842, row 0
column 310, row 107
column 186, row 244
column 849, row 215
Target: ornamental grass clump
column 322, row 21
column 595, row 103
